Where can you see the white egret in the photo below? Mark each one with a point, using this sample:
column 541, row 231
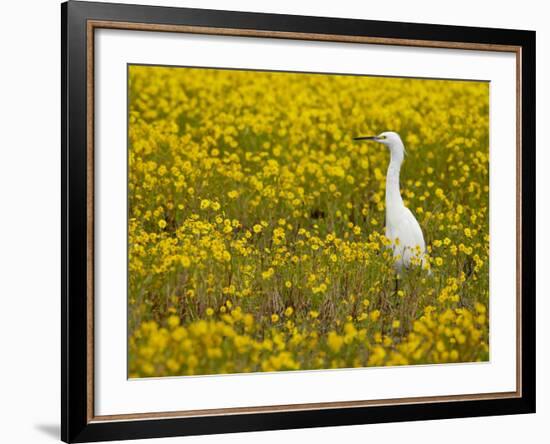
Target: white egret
column 402, row 228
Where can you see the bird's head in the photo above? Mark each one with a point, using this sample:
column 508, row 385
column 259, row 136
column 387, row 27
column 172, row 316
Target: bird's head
column 390, row 139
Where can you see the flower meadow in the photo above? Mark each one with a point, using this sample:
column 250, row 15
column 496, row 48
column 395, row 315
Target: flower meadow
column 256, row 224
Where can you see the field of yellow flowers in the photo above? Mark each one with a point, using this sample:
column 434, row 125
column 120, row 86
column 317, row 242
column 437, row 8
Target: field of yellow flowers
column 256, row 223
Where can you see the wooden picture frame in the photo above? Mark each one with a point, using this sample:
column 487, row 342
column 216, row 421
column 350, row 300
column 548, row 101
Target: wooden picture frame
column 79, row 22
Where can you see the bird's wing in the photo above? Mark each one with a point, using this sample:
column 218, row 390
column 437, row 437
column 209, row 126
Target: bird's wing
column 409, row 231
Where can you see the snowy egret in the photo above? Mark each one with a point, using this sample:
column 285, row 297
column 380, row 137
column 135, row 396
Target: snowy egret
column 402, row 228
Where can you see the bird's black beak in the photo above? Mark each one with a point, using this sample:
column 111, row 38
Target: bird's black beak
column 366, row 138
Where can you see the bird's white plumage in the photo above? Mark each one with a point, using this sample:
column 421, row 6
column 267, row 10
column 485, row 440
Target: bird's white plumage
column 406, row 235
column 402, row 228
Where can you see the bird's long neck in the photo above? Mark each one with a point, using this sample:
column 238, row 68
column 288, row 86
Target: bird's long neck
column 393, row 193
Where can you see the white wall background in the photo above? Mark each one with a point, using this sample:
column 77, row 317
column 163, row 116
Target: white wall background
column 30, row 221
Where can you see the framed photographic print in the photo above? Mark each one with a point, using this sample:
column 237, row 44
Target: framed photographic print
column 275, row 221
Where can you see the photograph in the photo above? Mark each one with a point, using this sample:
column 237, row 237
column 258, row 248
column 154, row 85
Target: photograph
column 277, row 221
column 283, row 221
column 254, row 222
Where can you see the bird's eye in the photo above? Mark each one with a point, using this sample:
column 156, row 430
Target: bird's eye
column 382, row 137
